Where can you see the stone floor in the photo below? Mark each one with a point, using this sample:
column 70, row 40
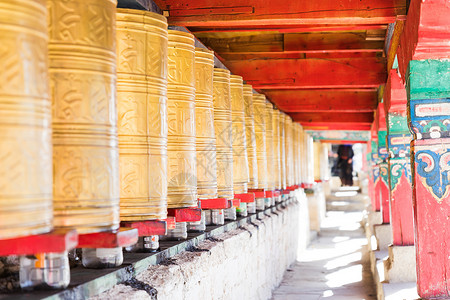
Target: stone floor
column 336, row 265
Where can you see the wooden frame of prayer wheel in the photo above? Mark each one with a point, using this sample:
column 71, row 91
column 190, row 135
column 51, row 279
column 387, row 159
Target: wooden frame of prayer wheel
column 82, row 59
column 142, row 114
column 289, row 151
column 259, row 105
column 270, row 146
column 181, row 142
column 25, row 110
column 204, row 120
column 276, row 144
column 283, row 149
column 240, row 161
column 223, row 131
column 250, row 137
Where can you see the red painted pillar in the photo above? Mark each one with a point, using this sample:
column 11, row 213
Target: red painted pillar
column 383, row 182
column 423, row 56
column 375, row 170
column 398, row 140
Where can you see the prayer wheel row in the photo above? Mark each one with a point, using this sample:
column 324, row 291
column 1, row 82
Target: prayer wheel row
column 131, row 118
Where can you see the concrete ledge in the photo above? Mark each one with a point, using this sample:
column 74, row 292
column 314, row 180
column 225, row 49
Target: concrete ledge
column 400, row 266
column 317, row 206
column 244, row 263
column 383, row 234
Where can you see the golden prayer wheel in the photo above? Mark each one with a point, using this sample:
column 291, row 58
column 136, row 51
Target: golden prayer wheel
column 282, row 150
column 25, row 133
column 82, row 59
column 289, row 152
column 240, row 162
column 299, row 153
column 276, row 144
column 250, row 138
column 223, row 131
column 142, row 114
column 204, row 120
column 270, row 146
column 259, row 105
column 182, row 161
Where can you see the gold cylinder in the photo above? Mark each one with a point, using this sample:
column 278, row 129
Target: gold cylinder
column 283, row 149
column 276, row 149
column 223, row 131
column 270, row 146
column 142, row 114
column 259, row 105
column 240, row 161
column 25, row 116
column 250, row 138
column 204, row 120
column 299, row 153
column 182, row 165
column 289, row 153
column 296, row 153
column 82, row 58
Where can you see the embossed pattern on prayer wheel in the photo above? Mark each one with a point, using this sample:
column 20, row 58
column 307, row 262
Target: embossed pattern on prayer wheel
column 276, row 144
column 223, row 130
column 204, row 119
column 299, row 153
column 283, row 150
column 25, row 116
column 296, row 156
column 259, row 105
column 289, row 154
column 182, row 162
column 82, row 58
column 250, row 137
column 240, row 162
column 270, row 146
column 142, row 114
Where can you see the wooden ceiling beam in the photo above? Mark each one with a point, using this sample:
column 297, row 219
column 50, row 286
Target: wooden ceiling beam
column 334, row 126
column 333, row 117
column 311, row 73
column 235, row 13
column 322, row 100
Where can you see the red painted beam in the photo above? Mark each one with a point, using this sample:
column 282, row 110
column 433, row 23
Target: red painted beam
column 361, row 118
column 311, row 73
column 236, row 13
column 335, row 126
column 394, row 94
column 426, row 34
column 381, row 116
column 291, row 28
column 320, row 100
column 300, row 55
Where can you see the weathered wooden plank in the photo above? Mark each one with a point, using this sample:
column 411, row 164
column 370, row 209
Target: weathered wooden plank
column 334, row 126
column 256, row 42
column 311, row 73
column 320, row 100
column 331, row 41
column 221, row 13
column 332, row 54
column 305, row 117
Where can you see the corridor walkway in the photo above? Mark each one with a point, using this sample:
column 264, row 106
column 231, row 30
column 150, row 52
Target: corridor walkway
column 336, row 265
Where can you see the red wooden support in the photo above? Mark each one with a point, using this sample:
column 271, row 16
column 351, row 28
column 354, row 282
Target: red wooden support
column 57, row 241
column 256, row 13
column 147, row 228
column 399, row 161
column 217, row 203
column 246, row 198
column 236, row 202
column 431, row 214
column 259, row 193
column 109, row 239
column 171, row 223
column 190, row 214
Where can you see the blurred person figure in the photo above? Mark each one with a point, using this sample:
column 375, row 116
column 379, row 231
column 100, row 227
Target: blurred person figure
column 344, row 164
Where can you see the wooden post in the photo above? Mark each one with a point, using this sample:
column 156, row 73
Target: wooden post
column 398, row 141
column 428, row 86
column 423, row 62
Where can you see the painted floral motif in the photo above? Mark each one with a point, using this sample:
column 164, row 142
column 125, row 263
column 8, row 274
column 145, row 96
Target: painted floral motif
column 398, row 169
column 433, row 169
column 384, row 173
